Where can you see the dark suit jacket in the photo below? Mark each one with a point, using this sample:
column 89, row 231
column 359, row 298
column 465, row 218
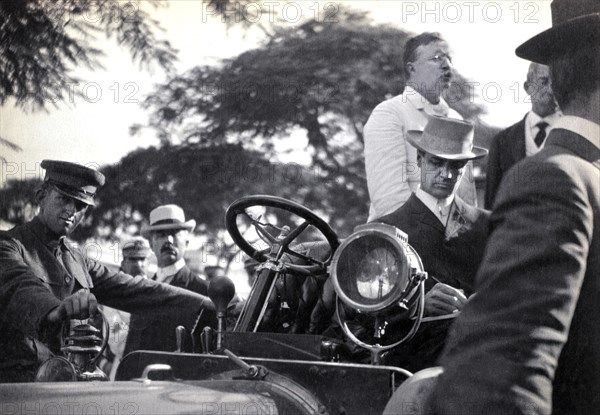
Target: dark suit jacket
column 453, row 262
column 151, row 333
column 506, row 150
column 531, row 335
column 33, row 282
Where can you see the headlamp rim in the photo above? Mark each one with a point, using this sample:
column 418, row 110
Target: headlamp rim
column 390, row 233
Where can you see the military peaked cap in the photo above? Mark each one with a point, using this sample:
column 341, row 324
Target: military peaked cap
column 73, row 180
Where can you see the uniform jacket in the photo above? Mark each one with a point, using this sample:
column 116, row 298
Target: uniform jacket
column 152, row 333
column 535, row 321
column 454, row 261
column 33, row 282
column 506, row 150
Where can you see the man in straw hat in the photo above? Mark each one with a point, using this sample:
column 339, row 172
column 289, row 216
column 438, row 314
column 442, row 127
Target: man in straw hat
column 529, row 342
column 46, row 280
column 169, row 234
column 448, row 234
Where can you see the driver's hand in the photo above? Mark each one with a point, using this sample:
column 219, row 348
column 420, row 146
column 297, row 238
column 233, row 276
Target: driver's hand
column 444, row 299
column 79, row 305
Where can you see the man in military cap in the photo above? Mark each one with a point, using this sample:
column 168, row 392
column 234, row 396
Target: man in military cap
column 135, row 257
column 45, row 280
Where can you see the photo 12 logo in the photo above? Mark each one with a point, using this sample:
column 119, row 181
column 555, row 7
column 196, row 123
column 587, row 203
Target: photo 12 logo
column 270, row 11
column 469, row 11
column 92, row 11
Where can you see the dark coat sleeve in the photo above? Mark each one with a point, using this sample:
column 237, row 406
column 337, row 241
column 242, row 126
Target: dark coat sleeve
column 24, row 299
column 142, row 295
column 504, row 348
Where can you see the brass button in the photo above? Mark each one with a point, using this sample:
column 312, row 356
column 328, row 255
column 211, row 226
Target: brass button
column 67, row 279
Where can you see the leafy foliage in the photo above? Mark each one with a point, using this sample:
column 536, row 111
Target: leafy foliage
column 17, row 200
column 43, row 41
column 320, row 78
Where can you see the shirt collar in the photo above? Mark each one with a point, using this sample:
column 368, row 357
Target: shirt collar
column 432, row 203
column 420, row 102
column 163, row 273
column 551, row 119
column 585, row 128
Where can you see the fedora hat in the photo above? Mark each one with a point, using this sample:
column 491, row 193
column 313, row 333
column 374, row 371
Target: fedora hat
column 575, row 25
column 168, row 217
column 446, row 138
column 73, row 180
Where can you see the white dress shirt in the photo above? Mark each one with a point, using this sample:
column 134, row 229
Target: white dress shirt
column 439, row 207
column 531, row 130
column 166, row 274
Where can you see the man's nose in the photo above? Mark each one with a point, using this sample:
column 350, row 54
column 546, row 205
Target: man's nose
column 170, row 238
column 448, row 172
column 71, row 206
column 446, row 63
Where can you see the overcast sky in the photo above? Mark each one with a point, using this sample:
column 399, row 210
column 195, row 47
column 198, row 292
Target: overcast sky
column 482, row 35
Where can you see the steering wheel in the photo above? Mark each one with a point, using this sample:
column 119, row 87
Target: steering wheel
column 279, row 242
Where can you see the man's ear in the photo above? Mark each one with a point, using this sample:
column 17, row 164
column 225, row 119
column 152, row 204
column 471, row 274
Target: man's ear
column 526, row 86
column 40, row 195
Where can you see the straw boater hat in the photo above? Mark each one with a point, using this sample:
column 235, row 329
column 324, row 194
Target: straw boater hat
column 168, row 217
column 73, row 180
column 575, row 25
column 446, row 138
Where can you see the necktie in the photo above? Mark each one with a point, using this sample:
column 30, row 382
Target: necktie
column 541, row 135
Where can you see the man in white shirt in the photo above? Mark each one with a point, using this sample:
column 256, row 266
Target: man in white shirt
column 168, row 233
column 526, row 137
column 390, row 162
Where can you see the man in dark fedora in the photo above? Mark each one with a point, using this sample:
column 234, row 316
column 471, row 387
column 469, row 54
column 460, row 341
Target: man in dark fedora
column 529, row 342
column 447, row 233
column 169, row 235
column 46, row 280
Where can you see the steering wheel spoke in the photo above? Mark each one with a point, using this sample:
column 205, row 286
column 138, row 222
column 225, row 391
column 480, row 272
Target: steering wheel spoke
column 306, row 258
column 283, row 240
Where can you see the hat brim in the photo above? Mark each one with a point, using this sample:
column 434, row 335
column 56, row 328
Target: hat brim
column 577, row 33
column 88, row 200
column 189, row 226
column 416, row 139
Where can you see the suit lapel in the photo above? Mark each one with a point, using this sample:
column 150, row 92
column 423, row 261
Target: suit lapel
column 421, row 214
column 518, row 149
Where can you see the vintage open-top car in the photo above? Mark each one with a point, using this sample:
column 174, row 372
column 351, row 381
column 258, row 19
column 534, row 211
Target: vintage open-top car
column 296, row 347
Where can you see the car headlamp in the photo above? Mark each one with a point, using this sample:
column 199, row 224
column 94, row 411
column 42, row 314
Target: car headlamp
column 374, row 269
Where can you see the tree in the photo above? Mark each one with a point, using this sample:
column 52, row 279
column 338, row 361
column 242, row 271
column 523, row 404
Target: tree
column 321, row 78
column 17, row 200
column 43, row 41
